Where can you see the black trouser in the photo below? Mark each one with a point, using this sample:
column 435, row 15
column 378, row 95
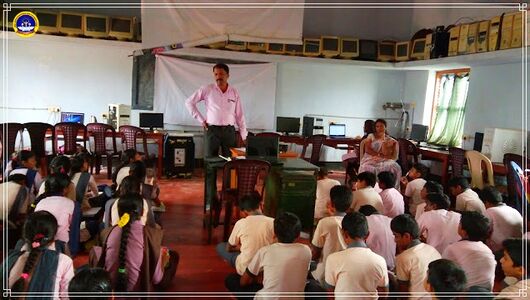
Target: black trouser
column 241, row 292
column 219, row 136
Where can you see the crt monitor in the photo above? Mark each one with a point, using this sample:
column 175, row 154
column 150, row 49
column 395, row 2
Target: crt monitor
column 419, row 132
column 152, row 120
column 73, row 117
column 337, row 130
column 267, row 146
column 288, row 125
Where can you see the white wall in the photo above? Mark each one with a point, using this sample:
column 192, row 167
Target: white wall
column 80, row 75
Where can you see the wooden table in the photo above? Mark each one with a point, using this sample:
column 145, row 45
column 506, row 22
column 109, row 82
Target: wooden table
column 445, row 157
column 242, row 152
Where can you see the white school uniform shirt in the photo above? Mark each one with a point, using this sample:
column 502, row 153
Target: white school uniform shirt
column 12, row 191
column 328, row 237
column 367, row 196
column 63, row 275
column 322, row 197
column 506, row 222
column 392, row 202
column 62, row 209
column 420, row 209
column 122, row 173
column 440, row 227
column 469, row 201
column 476, row 259
column 91, row 189
column 37, row 182
column 413, row 190
column 514, row 291
column 381, row 238
column 356, row 270
column 115, row 216
column 284, row 269
column 252, row 232
column 412, row 265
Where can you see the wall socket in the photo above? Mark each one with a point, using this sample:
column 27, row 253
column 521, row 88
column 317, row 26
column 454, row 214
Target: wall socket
column 54, row 109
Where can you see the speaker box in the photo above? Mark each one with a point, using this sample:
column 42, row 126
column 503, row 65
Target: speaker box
column 179, row 156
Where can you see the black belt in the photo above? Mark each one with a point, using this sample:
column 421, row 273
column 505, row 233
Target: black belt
column 220, row 126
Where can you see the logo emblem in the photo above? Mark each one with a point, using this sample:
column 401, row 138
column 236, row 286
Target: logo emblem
column 25, row 24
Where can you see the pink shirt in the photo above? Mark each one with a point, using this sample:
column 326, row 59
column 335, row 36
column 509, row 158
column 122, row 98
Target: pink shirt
column 63, row 275
column 381, row 239
column 440, row 228
column 134, row 257
column 221, row 108
column 506, row 222
column 392, row 202
column 62, row 209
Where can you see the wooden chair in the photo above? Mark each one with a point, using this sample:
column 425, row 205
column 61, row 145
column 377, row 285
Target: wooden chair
column 37, row 134
column 478, row 163
column 407, row 150
column 247, row 172
column 99, row 131
column 69, row 131
column 458, row 159
column 316, row 141
column 8, row 137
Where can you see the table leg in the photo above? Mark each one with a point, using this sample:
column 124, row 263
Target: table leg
column 445, row 171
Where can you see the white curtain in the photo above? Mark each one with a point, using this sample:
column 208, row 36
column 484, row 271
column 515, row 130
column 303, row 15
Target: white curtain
column 195, row 25
column 176, row 79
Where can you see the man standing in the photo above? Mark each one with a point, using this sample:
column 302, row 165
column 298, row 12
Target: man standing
column 223, row 111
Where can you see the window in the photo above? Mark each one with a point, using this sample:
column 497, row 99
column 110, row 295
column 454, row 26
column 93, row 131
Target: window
column 448, row 114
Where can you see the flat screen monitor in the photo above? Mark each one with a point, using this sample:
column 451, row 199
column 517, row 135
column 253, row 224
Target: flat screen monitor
column 337, row 130
column 477, row 144
column 73, row 117
column 152, row 120
column 419, row 132
column 267, row 146
column 288, row 125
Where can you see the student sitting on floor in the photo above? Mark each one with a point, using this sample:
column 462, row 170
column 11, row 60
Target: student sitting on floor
column 85, row 183
column 91, row 284
column 428, row 187
column 365, row 193
column 250, row 233
column 445, row 279
column 466, row 198
column 412, row 183
column 438, row 225
column 327, row 238
column 324, row 185
column 392, row 199
column 61, row 165
column 132, row 253
column 284, row 264
column 55, row 202
column 506, row 221
column 16, row 205
column 25, row 163
column 380, row 239
column 36, row 266
column 127, row 157
column 356, row 269
column 414, row 256
column 475, row 258
column 513, row 265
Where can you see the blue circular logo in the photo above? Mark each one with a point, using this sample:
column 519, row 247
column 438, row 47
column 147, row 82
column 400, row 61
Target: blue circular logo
column 25, row 24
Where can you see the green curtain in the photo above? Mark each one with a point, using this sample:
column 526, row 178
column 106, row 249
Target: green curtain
column 450, row 112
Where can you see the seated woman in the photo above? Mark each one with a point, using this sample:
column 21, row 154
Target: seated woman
column 350, row 160
column 380, row 152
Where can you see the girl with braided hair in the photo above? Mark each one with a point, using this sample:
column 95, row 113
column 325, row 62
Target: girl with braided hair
column 35, row 266
column 54, row 201
column 132, row 252
column 61, row 165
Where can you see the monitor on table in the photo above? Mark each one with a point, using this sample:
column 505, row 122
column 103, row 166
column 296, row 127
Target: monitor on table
column 267, row 146
column 288, row 125
column 73, row 117
column 151, row 120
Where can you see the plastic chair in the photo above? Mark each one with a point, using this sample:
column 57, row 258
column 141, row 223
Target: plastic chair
column 37, row 134
column 129, row 134
column 247, row 172
column 407, row 149
column 316, row 141
column 8, row 136
column 99, row 132
column 69, row 131
column 458, row 158
column 475, row 161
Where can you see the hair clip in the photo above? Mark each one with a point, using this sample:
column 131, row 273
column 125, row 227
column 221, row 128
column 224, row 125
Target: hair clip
column 124, row 220
column 62, row 170
column 35, row 245
column 24, row 275
column 38, row 236
column 121, row 270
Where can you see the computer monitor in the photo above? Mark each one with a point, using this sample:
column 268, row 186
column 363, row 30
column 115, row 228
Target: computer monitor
column 419, row 132
column 267, row 146
column 337, row 130
column 152, row 120
column 288, row 125
column 73, row 117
